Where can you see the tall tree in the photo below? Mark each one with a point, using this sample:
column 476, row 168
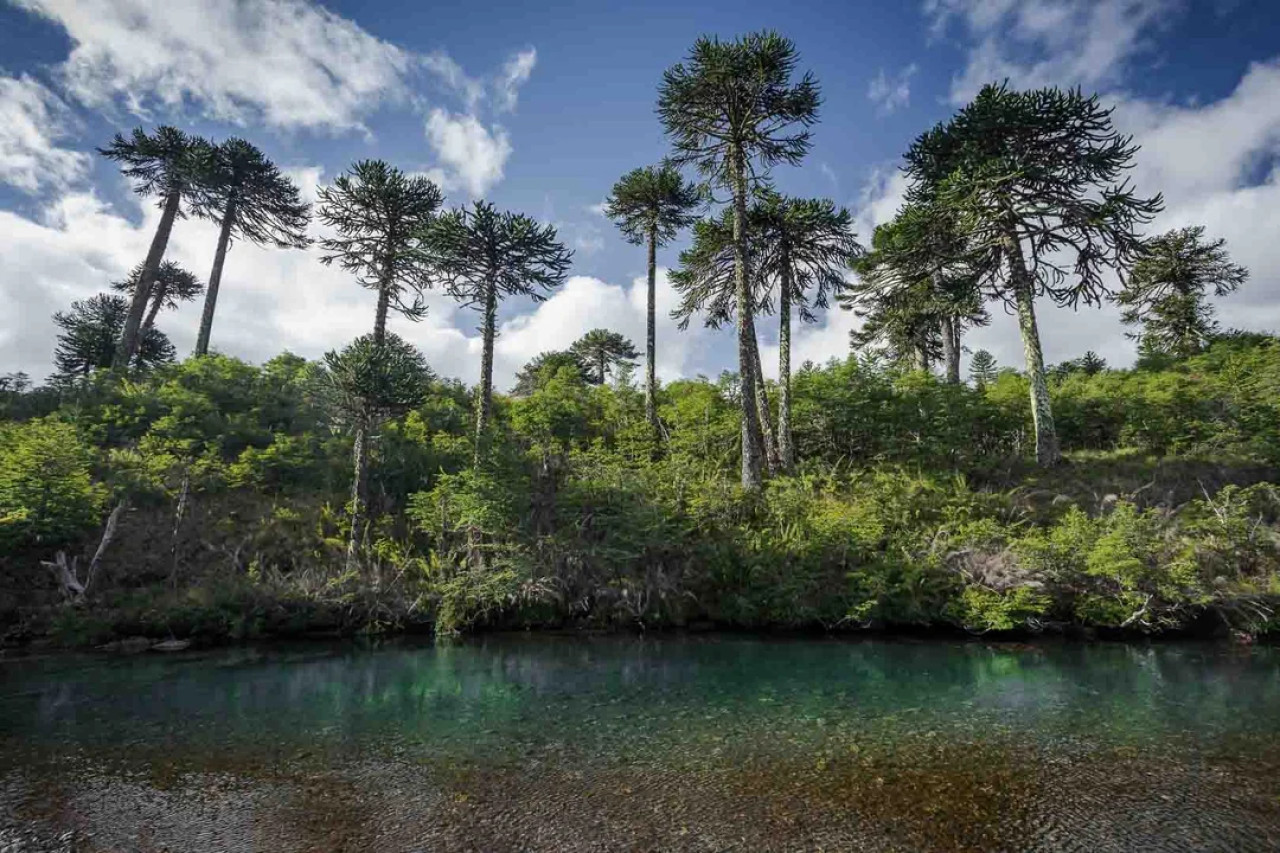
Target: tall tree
column 805, row 247
column 916, row 292
column 983, row 369
column 91, row 331
column 174, row 167
column 604, row 351
column 172, row 286
column 250, row 199
column 480, row 256
column 372, row 379
column 542, row 367
column 381, row 215
column 732, row 109
column 1034, row 181
column 706, row 284
column 651, row 205
column 1167, row 288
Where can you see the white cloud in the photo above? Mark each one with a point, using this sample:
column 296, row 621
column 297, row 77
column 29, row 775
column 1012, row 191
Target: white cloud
column 472, row 156
column 32, row 119
column 286, row 63
column 515, row 73
column 890, row 93
column 1047, row 42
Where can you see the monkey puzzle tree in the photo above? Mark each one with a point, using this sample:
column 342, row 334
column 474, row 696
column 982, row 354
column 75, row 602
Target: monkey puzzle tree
column 918, row 260
column 651, row 205
column 542, row 367
column 249, row 198
column 91, row 331
column 380, row 215
column 604, row 351
column 372, row 379
column 731, row 109
column 903, row 320
column 480, row 256
column 1034, row 182
column 983, row 369
column 706, row 284
column 175, row 167
column 172, row 285
column 805, row 247
column 1166, row 291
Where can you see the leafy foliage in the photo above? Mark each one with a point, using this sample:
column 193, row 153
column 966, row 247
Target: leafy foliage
column 604, row 351
column 91, row 331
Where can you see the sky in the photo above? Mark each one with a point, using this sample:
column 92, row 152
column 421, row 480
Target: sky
column 539, row 108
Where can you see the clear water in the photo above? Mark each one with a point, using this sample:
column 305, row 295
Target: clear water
column 716, row 743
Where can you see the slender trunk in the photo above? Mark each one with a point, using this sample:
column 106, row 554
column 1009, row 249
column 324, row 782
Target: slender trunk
column 950, row 350
column 215, row 278
column 157, row 299
column 1047, row 451
column 764, row 410
column 178, row 512
column 380, row 318
column 600, row 366
column 484, row 398
column 133, row 322
column 752, row 440
column 786, row 451
column 651, row 337
column 360, row 460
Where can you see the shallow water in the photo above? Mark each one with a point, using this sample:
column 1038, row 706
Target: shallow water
column 710, row 743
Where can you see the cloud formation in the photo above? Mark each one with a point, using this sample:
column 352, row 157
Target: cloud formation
column 32, row 120
column 891, row 93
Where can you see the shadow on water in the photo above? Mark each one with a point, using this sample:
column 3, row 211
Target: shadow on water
column 709, row 743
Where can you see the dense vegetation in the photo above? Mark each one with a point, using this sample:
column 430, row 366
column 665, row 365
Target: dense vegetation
column 217, row 499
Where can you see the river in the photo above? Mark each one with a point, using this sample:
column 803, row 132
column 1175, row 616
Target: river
column 709, row 743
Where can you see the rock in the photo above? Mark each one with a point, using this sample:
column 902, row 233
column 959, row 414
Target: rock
column 171, row 646
column 128, row 646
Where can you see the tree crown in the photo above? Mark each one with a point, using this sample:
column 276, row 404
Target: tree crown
column 165, row 161
column 653, row 199
column 380, row 213
column 172, row 284
column 268, row 206
column 377, row 380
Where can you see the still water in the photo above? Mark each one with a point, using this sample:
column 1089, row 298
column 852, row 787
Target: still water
column 698, row 744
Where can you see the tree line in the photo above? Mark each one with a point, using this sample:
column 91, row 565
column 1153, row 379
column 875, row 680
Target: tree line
column 1019, row 198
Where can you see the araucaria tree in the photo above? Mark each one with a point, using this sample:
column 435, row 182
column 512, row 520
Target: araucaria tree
column 983, row 369
column 480, row 256
column 733, row 110
column 250, row 199
column 650, row 206
column 372, row 379
column 380, row 215
column 172, row 285
column 90, row 332
column 805, row 247
column 1167, row 288
column 175, row 167
column 1034, row 183
column 543, row 367
column 603, row 351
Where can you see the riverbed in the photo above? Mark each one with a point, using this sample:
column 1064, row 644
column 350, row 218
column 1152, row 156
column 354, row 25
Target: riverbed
column 709, row 743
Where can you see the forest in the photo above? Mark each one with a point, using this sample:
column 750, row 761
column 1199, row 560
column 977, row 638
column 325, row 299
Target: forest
column 210, row 499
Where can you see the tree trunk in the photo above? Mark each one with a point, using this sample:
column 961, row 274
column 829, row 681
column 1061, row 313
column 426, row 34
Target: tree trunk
column 752, row 439
column 922, row 358
column 215, row 278
column 360, row 460
column 1047, row 451
column 150, row 267
column 786, row 451
column 157, row 299
column 951, row 349
column 380, row 318
column 764, row 410
column 484, row 399
column 651, row 337
column 600, row 365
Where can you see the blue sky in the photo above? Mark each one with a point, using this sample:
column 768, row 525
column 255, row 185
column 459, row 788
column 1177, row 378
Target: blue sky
column 540, row 107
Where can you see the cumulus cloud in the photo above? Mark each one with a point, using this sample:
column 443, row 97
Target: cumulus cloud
column 515, row 73
column 1046, row 42
column 285, row 63
column 472, row 156
column 32, row 120
column 891, row 92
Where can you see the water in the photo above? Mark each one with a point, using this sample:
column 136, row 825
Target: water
column 706, row 744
